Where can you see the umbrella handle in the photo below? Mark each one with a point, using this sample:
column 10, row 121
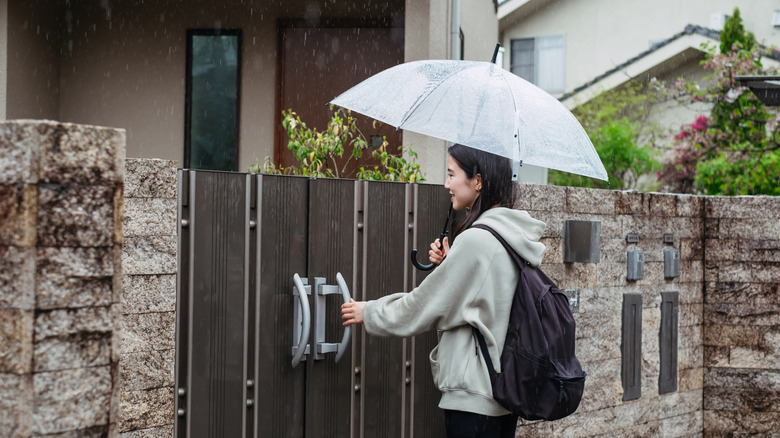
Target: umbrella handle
column 431, row 265
column 443, row 234
column 419, row 265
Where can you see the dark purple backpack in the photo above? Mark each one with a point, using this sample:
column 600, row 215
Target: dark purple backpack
column 540, row 377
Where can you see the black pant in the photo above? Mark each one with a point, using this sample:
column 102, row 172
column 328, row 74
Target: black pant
column 461, row 424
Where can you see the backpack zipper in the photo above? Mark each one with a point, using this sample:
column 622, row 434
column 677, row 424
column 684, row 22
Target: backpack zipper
column 560, row 392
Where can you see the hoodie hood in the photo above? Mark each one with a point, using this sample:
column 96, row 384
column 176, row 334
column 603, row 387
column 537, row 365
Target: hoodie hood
column 519, row 229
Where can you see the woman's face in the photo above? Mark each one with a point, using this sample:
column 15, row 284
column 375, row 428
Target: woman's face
column 463, row 191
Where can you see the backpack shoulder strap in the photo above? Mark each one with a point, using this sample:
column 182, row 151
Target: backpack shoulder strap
column 521, row 264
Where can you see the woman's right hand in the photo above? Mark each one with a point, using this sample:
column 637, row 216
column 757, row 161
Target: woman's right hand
column 438, row 251
column 352, row 312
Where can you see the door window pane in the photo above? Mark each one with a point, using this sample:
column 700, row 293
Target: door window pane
column 213, row 79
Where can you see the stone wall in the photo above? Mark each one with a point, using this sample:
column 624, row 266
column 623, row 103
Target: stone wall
column 72, row 237
column 60, row 278
column 149, row 299
column 601, row 287
column 742, row 317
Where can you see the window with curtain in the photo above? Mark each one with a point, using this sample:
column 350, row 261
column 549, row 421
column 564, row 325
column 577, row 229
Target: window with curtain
column 212, row 100
column 539, row 61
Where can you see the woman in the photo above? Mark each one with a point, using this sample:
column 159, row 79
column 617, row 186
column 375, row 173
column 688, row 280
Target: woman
column 472, row 286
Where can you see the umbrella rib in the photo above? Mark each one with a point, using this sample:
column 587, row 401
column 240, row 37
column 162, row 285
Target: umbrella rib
column 514, row 102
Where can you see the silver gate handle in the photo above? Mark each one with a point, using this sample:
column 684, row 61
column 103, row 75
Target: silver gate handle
column 300, row 292
column 348, row 329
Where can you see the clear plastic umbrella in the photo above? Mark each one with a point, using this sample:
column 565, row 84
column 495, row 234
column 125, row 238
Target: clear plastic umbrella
column 480, row 105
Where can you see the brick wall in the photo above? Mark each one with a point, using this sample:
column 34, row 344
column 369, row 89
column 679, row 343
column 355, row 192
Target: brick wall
column 72, row 224
column 60, row 278
column 149, row 299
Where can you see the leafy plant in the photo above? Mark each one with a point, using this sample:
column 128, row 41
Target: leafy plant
column 321, row 154
column 393, row 168
column 615, row 142
column 617, row 122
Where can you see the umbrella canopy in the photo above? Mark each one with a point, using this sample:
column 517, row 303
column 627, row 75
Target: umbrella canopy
column 480, row 105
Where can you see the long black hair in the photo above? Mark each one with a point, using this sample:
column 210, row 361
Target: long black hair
column 497, row 186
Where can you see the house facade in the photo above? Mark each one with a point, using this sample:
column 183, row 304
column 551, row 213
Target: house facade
column 576, row 50
column 576, row 42
column 204, row 82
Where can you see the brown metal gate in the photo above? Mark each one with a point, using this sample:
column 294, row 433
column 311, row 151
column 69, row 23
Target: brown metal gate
column 242, row 240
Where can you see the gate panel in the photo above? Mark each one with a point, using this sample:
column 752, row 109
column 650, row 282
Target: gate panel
column 430, row 214
column 385, row 261
column 332, row 230
column 281, row 248
column 211, row 375
column 240, row 233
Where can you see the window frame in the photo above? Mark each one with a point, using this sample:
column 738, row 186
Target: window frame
column 536, row 55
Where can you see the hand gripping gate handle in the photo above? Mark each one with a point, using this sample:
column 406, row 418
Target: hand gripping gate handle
column 322, row 290
column 348, row 329
column 302, row 320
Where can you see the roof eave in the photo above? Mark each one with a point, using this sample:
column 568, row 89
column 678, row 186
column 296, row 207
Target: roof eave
column 517, row 9
column 675, row 52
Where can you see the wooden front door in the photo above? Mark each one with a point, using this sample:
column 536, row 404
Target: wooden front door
column 319, row 63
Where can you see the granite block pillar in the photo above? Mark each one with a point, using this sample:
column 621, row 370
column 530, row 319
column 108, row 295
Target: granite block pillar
column 146, row 366
column 61, row 201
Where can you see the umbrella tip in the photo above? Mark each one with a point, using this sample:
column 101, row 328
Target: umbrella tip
column 495, row 53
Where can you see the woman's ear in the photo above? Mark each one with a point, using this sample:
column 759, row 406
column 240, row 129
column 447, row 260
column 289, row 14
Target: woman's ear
column 477, row 182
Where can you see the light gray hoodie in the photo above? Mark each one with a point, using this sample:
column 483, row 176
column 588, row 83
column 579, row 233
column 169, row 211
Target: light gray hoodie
column 473, row 286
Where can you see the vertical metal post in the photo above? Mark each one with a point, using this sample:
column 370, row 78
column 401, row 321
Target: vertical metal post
column 182, row 304
column 250, row 303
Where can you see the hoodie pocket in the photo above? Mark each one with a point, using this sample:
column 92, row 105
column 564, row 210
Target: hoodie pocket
column 434, row 359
